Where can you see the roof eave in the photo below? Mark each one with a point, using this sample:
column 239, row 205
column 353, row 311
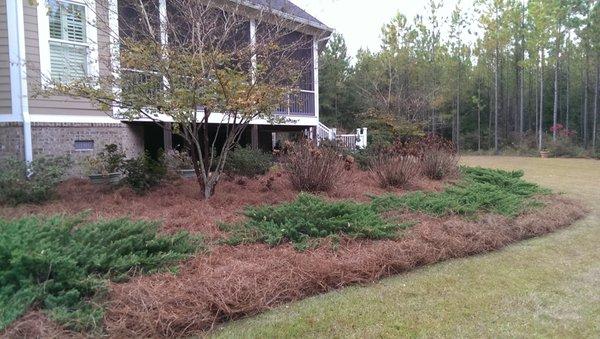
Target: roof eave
column 319, row 26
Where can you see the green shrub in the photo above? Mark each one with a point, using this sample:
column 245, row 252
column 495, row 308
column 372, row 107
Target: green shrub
column 143, row 172
column 34, row 182
column 310, row 217
column 565, row 147
column 110, row 160
column 248, row 162
column 482, row 190
column 62, row 264
column 179, row 160
column 364, row 157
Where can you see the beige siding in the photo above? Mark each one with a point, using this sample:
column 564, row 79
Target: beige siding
column 5, row 104
column 39, row 104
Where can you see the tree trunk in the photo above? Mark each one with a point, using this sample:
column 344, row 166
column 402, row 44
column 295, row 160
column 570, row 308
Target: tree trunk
column 490, row 116
column 496, row 150
column 206, row 144
column 458, row 110
column 541, row 119
column 585, row 101
column 595, row 124
column 537, row 105
column 555, row 108
column 522, row 75
column 209, row 188
column 568, row 97
column 200, row 174
column 454, row 120
column 521, row 101
column 478, row 119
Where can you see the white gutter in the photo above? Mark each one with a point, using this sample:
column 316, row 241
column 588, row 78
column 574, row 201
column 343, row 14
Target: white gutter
column 18, row 71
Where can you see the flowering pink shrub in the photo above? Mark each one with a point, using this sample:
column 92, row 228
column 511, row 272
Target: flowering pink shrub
column 562, row 131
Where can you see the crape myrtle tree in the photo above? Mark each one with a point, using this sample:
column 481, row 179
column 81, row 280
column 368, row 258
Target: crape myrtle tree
column 194, row 63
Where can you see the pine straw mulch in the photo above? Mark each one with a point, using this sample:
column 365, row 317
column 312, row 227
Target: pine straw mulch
column 235, row 282
column 178, row 205
column 35, row 324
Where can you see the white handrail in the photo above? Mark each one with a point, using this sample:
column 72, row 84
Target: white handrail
column 354, row 141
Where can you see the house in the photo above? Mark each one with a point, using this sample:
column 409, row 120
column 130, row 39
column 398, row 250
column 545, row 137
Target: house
column 38, row 43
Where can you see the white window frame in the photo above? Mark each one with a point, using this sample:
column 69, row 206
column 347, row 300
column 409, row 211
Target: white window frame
column 93, row 69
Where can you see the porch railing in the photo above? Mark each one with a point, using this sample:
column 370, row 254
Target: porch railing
column 299, row 103
column 325, row 133
column 347, row 141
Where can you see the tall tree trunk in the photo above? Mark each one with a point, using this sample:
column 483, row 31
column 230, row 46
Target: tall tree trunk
column 537, row 105
column 568, row 97
column 505, row 97
column 454, row 119
column 521, row 101
column 585, row 100
column 490, row 116
column 496, row 71
column 478, row 118
column 458, row 108
column 541, row 119
column 596, row 89
column 521, row 73
column 555, row 108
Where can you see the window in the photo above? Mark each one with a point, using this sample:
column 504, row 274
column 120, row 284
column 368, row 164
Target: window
column 68, row 41
column 84, row 145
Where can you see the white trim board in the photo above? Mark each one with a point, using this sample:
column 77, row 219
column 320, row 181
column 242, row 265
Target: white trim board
column 215, row 118
column 74, row 119
column 220, row 118
column 10, row 118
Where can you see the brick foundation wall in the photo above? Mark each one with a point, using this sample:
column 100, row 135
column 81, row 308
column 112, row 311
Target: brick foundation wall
column 11, row 140
column 58, row 139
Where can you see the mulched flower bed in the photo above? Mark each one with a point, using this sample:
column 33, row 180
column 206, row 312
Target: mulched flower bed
column 178, row 205
column 234, row 282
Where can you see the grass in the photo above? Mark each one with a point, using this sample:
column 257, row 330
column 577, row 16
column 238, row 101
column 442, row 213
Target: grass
column 480, row 190
column 544, row 287
column 63, row 264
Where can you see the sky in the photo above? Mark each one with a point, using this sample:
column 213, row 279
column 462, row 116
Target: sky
column 360, row 21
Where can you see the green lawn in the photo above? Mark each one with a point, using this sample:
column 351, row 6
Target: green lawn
column 545, row 287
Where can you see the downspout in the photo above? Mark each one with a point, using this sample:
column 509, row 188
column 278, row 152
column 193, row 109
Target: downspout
column 18, row 71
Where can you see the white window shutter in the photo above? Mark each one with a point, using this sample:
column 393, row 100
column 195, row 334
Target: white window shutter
column 68, row 57
column 74, row 23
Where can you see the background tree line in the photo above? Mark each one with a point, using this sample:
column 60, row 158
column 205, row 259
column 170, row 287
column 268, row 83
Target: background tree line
column 502, row 74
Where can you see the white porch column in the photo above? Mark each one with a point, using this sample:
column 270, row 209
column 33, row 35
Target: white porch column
column 18, row 72
column 164, row 35
column 316, row 74
column 253, row 59
column 162, row 14
column 115, row 49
